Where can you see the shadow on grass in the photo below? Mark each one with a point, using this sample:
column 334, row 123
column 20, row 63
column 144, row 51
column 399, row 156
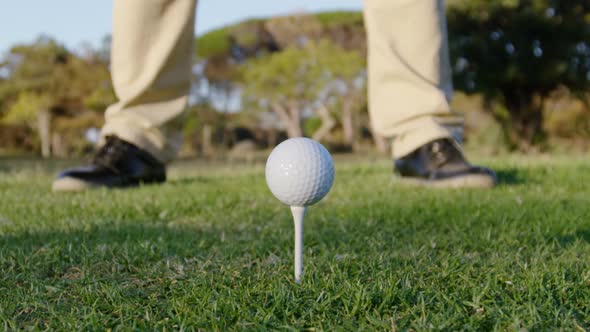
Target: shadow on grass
column 510, row 176
column 139, row 240
column 569, row 239
column 188, row 180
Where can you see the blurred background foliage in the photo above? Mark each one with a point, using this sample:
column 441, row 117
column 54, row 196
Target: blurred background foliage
column 521, row 72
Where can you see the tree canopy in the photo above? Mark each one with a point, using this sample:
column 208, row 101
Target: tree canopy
column 521, row 57
column 515, row 53
column 44, row 79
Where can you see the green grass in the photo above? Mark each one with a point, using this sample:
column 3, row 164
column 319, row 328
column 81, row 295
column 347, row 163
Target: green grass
column 212, row 249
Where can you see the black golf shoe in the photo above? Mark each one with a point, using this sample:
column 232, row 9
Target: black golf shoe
column 117, row 164
column 441, row 164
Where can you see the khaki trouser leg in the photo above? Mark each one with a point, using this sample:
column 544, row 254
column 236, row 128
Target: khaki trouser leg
column 409, row 73
column 152, row 49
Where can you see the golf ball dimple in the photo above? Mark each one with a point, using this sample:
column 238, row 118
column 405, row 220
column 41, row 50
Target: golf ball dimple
column 300, row 172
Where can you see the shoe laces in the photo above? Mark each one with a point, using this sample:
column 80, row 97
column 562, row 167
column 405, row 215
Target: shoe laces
column 440, row 153
column 110, row 153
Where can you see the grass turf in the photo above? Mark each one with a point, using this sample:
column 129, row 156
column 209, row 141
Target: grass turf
column 212, row 249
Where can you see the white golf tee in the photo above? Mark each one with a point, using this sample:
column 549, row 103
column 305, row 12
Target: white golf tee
column 298, row 217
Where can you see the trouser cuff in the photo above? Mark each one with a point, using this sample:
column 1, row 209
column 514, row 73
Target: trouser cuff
column 418, row 132
column 153, row 140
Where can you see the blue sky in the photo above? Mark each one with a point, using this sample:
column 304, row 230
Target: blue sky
column 74, row 21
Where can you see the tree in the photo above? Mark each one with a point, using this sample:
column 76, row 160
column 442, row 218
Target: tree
column 347, row 88
column 31, row 109
column 44, row 80
column 295, row 29
column 515, row 53
column 292, row 81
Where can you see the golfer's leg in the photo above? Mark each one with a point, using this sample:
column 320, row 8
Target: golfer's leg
column 409, row 73
column 152, row 50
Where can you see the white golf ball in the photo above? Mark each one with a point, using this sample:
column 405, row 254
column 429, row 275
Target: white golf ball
column 300, row 171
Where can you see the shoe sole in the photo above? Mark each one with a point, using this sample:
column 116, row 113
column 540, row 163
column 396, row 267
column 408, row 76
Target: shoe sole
column 456, row 182
column 68, row 184
column 466, row 181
